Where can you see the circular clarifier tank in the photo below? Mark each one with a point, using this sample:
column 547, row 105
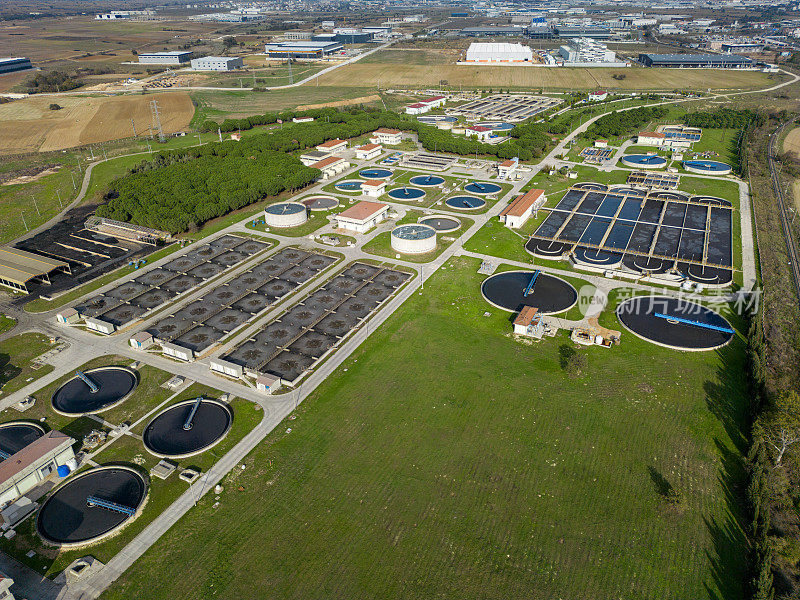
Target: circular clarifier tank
column 441, row 223
column 187, row 428
column 286, row 214
column 15, row 435
column 94, row 391
column 375, row 173
column 321, row 202
column 674, row 323
column 644, row 161
column 465, row 203
column 91, row 506
column 707, row 167
column 426, row 180
column 414, row 238
column 406, row 193
column 512, row 291
column 351, row 185
column 482, row 188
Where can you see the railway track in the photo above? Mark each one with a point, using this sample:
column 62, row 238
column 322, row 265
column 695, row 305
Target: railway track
column 791, row 241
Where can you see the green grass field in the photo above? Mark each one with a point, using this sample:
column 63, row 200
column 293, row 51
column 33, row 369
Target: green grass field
column 16, row 355
column 445, row 459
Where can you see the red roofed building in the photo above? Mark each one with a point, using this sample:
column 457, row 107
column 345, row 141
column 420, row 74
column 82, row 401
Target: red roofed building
column 481, row 132
column 368, row 151
column 363, row 216
column 331, row 166
column 417, row 108
column 650, row 138
column 332, row 146
column 23, row 471
column 390, row 137
column 529, row 322
column 520, row 210
column 373, row 187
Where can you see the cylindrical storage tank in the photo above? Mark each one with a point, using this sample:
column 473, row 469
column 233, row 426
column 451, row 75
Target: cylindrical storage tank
column 414, row 238
column 285, row 214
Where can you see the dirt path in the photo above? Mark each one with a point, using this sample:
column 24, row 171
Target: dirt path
column 360, row 100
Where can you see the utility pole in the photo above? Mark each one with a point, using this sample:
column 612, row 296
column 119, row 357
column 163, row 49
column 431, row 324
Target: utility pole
column 23, row 221
column 219, row 132
column 74, row 187
column 92, row 153
column 156, row 117
column 36, row 205
column 134, row 127
column 58, row 193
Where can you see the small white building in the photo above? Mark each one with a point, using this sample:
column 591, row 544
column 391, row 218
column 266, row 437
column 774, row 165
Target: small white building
column 390, row 137
column 266, row 384
column 529, row 322
column 373, row 187
column 141, row 340
column 598, row 96
column 37, row 461
column 508, row 168
column 481, row 132
column 217, row 63
column 178, row 352
column 99, row 325
column 520, row 210
column 68, row 316
column 601, row 143
column 331, row 166
column 226, row 368
column 650, row 138
column 417, row 108
column 332, row 146
column 362, row 217
column 434, row 101
column 303, row 120
column 368, row 151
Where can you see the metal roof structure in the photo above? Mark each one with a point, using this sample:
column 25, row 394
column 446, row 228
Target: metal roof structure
column 19, row 266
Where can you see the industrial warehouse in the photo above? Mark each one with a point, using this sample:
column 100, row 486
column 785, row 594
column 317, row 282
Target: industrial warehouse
column 697, row 61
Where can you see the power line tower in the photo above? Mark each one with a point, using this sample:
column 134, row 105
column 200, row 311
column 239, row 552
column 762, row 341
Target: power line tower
column 156, row 117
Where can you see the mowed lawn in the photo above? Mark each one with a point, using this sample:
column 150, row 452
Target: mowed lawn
column 446, row 460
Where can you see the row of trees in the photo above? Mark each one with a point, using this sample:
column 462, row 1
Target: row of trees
column 53, row 81
column 625, row 122
column 723, row 118
column 530, row 140
column 178, row 193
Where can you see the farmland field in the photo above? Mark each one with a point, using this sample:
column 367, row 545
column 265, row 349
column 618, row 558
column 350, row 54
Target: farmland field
column 29, row 124
column 446, row 460
column 792, row 141
column 394, row 72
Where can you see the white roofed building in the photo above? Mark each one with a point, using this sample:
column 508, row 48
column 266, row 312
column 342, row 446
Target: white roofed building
column 483, row 52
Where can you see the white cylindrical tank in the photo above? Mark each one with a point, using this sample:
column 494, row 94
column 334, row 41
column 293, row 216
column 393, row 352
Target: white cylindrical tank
column 285, row 214
column 414, row 238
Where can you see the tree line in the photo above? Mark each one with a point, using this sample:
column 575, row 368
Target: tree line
column 723, row 118
column 529, row 140
column 626, row 122
column 179, row 192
